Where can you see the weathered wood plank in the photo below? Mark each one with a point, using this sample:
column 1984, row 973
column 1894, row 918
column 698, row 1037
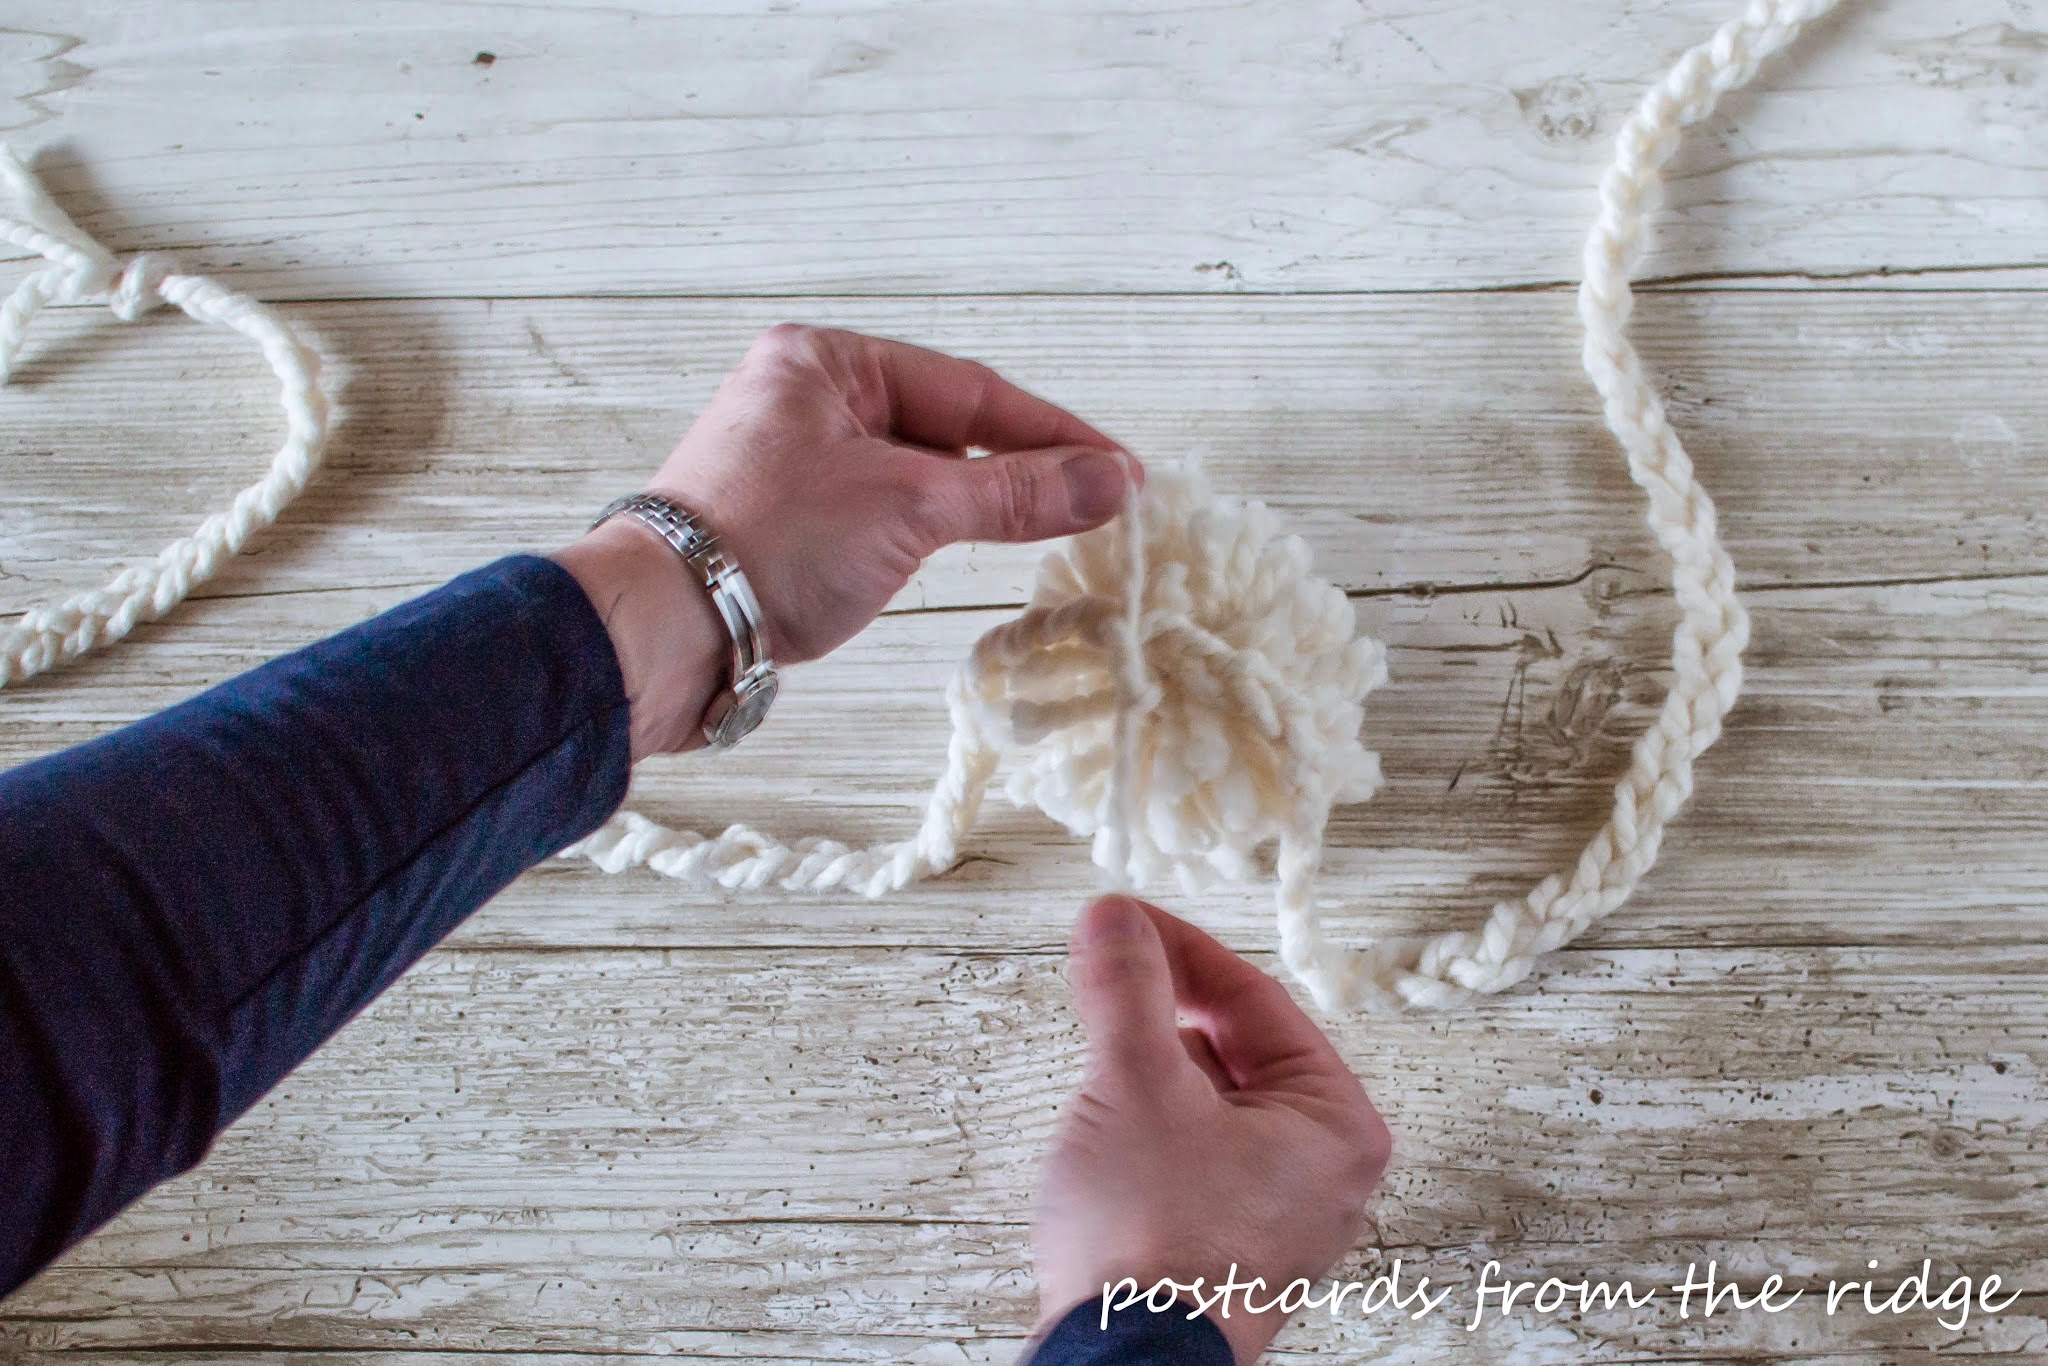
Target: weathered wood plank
column 1885, row 773
column 1080, row 146
column 514, row 1150
column 971, row 1312
column 1440, row 442
column 678, row 1345
column 2016, row 1336
column 615, row 1119
column 1445, row 1349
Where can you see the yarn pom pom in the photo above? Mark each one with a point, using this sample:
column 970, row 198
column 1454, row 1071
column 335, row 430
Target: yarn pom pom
column 1243, row 700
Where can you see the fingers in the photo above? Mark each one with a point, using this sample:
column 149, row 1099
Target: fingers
column 1123, row 989
column 1196, row 1044
column 1264, row 1042
column 1021, row 495
column 949, row 403
column 1262, row 1039
column 917, row 396
column 1051, row 474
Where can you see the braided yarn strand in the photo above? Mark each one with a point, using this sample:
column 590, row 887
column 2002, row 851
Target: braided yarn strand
column 1183, row 690
column 81, row 272
column 1706, row 645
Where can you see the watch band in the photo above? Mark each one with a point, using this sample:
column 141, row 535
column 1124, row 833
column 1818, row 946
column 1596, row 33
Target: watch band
column 739, row 707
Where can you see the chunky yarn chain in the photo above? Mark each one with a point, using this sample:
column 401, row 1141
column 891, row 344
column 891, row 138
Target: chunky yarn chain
column 81, row 271
column 1713, row 628
column 1182, row 690
column 1186, row 709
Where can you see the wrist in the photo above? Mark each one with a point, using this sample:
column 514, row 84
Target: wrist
column 672, row 649
column 1248, row 1334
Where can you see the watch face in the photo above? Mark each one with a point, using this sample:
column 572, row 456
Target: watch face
column 750, row 703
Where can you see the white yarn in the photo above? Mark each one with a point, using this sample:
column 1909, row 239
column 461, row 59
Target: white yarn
column 1713, row 629
column 1181, row 689
column 1180, row 713
column 1185, row 692
column 81, row 271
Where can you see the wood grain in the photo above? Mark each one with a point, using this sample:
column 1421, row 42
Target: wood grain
column 436, row 148
column 629, row 1148
column 1879, row 786
column 1886, row 758
column 1884, row 773
column 1419, row 444
column 1319, row 243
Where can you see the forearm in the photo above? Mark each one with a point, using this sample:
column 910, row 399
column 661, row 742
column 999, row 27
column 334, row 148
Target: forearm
column 192, row 904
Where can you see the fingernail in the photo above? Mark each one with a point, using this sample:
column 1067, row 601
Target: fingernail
column 1095, row 485
column 1113, row 919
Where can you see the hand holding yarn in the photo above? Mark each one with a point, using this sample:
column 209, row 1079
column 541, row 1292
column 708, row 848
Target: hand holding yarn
column 830, row 465
column 1216, row 1127
column 1182, row 690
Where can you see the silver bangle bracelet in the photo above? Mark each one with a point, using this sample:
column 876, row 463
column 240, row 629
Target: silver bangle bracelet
column 750, row 689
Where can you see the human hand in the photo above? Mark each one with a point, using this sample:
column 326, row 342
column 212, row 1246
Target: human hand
column 831, row 465
column 1237, row 1138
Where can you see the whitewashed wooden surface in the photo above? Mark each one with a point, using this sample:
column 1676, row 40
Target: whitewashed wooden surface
column 1316, row 242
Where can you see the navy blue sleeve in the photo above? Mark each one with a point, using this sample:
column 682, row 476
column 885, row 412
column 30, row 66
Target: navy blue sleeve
column 1135, row 1337
column 191, row 905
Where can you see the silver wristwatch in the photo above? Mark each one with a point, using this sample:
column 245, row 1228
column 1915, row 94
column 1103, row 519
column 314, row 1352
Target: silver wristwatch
column 744, row 700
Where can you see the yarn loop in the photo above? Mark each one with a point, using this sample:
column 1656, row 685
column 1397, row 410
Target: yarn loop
column 81, row 271
column 1243, row 683
column 1180, row 716
column 1181, row 690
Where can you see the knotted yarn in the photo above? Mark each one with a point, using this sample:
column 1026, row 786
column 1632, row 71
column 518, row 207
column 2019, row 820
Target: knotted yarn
column 81, row 271
column 1182, row 690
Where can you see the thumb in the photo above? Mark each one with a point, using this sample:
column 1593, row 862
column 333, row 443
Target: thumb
column 1123, row 989
column 1029, row 495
